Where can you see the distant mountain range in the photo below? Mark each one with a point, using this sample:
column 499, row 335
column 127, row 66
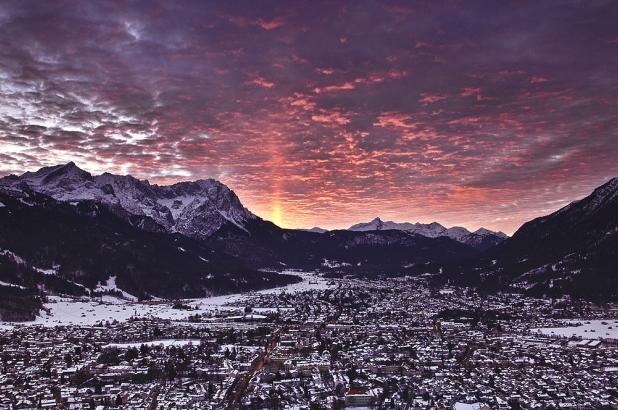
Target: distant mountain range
column 64, row 230
column 480, row 239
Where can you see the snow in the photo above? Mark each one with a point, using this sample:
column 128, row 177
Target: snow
column 15, row 257
column 466, row 406
column 12, row 285
column 334, row 264
column 110, row 285
column 53, row 271
column 180, row 207
column 23, row 201
column 249, row 317
column 589, row 329
column 310, row 281
column 163, row 343
column 457, row 232
column 238, row 348
column 62, row 311
column 431, row 230
column 233, row 219
column 2, row 205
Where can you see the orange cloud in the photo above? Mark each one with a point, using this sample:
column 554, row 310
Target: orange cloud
column 395, row 120
column 372, row 78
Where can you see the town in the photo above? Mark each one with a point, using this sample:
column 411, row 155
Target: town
column 394, row 343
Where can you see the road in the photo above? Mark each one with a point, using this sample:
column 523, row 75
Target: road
column 238, row 389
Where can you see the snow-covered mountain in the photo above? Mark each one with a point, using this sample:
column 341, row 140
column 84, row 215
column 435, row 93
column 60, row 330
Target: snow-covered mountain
column 85, row 248
column 434, row 230
column 316, row 229
column 195, row 209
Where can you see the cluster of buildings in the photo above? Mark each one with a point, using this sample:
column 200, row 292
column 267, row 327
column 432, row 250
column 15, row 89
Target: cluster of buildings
column 395, row 343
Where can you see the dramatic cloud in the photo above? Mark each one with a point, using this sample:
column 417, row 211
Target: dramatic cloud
column 323, row 113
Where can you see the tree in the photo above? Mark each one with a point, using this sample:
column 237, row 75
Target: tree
column 352, row 373
column 144, row 349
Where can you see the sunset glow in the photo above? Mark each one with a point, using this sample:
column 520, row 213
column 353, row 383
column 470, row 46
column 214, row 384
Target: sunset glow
column 323, row 113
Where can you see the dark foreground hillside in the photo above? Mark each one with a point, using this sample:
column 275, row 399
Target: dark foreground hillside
column 572, row 251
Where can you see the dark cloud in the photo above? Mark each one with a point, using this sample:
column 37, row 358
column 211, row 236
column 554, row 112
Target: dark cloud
column 474, row 113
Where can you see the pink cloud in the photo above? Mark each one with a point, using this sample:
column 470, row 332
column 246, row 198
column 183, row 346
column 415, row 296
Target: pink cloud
column 272, row 24
column 394, row 120
column 325, row 71
column 475, row 92
column 427, row 98
column 333, row 117
column 261, row 82
column 243, row 22
column 538, row 79
column 372, row 78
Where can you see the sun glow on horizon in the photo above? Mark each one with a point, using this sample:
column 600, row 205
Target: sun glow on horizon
column 276, row 215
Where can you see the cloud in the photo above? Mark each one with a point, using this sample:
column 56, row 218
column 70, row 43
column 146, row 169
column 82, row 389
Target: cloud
column 313, row 108
column 271, row 24
column 427, row 98
column 261, row 82
column 537, row 79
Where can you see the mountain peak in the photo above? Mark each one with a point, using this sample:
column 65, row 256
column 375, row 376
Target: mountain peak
column 68, row 167
column 194, row 208
column 487, row 232
column 316, row 229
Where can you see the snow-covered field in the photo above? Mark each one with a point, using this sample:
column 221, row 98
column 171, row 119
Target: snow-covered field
column 311, row 281
column 586, row 329
column 90, row 311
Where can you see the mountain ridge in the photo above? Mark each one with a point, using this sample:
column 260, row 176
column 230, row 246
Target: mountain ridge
column 573, row 250
column 86, row 244
column 483, row 238
column 195, row 208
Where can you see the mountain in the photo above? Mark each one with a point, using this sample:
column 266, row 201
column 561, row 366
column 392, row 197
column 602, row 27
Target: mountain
column 194, row 209
column 208, row 211
column 264, row 244
column 479, row 239
column 79, row 247
column 571, row 251
column 316, row 229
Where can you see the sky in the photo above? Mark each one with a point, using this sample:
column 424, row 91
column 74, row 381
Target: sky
column 470, row 113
